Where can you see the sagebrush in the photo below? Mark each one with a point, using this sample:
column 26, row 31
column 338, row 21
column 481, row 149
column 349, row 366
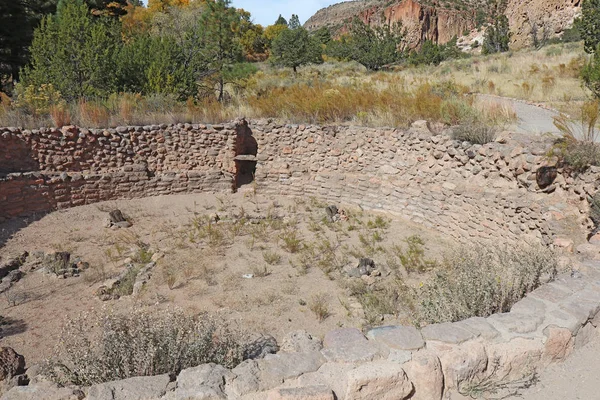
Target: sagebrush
column 482, row 280
column 105, row 346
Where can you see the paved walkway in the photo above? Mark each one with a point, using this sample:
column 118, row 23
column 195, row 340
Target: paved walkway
column 530, row 118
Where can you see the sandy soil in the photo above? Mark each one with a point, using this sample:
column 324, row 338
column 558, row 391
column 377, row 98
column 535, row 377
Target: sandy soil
column 203, row 276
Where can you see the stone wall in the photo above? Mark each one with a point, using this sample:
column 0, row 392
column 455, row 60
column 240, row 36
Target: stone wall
column 465, row 191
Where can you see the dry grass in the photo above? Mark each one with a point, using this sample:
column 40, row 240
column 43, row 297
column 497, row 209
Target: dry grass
column 550, row 75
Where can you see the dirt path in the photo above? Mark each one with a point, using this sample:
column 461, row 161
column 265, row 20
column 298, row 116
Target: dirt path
column 576, row 378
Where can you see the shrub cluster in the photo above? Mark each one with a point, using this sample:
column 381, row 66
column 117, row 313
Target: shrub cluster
column 482, row 280
column 106, row 346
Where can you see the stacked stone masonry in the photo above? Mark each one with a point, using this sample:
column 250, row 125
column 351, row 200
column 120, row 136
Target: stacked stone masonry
column 467, row 191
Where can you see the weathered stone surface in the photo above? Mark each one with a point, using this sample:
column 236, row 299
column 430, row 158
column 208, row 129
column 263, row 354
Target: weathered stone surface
column 397, row 337
column 204, row 382
column 261, row 375
column 318, row 392
column 300, row 342
column 513, row 360
column 425, row 373
column 11, row 363
column 348, row 345
column 461, row 363
column 585, row 335
column 559, row 344
column 516, row 323
column 378, row 380
column 137, row 388
column 447, row 333
column 332, row 375
column 43, row 390
column 479, row 327
column 528, row 306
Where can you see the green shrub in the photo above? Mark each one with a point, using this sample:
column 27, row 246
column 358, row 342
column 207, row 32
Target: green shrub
column 474, row 132
column 106, row 346
column 480, row 281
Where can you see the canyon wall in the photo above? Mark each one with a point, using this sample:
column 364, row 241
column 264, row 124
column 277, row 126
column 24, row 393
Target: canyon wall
column 440, row 23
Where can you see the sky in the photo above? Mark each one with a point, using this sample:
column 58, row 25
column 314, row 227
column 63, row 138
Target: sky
column 265, row 12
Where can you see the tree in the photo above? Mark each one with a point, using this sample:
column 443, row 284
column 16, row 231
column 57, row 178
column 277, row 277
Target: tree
column 497, row 36
column 591, row 74
column 590, row 24
column 74, row 52
column 294, row 47
column 220, row 45
column 281, row 21
column 375, row 47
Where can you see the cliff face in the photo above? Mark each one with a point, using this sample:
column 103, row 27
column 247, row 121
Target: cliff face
column 553, row 15
column 428, row 20
column 422, row 22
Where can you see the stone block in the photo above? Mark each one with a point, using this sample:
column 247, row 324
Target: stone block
column 446, row 333
column 479, row 327
column 516, row 323
column 425, row 373
column 378, row 380
column 559, row 344
column 397, row 337
column 348, row 345
column 204, row 382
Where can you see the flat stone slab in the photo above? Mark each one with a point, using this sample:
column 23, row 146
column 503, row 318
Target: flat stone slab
column 479, row 327
column 397, row 337
column 562, row 319
column 529, row 306
column 549, row 293
column 516, row 323
column 348, row 345
column 447, row 333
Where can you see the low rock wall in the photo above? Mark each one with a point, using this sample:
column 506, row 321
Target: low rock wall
column 501, row 352
column 465, row 191
column 487, row 192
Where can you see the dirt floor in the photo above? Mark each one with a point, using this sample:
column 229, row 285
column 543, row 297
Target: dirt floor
column 272, row 265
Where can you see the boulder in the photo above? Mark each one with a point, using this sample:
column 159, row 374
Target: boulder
column 425, row 373
column 381, row 380
column 13, row 264
column 545, row 176
column 204, row 382
column 11, row 363
column 348, row 345
column 260, row 347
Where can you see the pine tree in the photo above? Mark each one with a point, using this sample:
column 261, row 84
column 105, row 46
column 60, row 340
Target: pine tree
column 497, row 36
column 374, row 47
column 220, row 46
column 74, row 52
column 589, row 24
column 294, row 47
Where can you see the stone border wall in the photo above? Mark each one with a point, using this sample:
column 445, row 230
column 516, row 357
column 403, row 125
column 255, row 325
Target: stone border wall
column 465, row 191
column 391, row 362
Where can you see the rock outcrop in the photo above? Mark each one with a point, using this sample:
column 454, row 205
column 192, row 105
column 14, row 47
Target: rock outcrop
column 431, row 20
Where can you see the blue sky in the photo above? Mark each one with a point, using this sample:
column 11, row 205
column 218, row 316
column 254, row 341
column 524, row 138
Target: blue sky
column 265, row 12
